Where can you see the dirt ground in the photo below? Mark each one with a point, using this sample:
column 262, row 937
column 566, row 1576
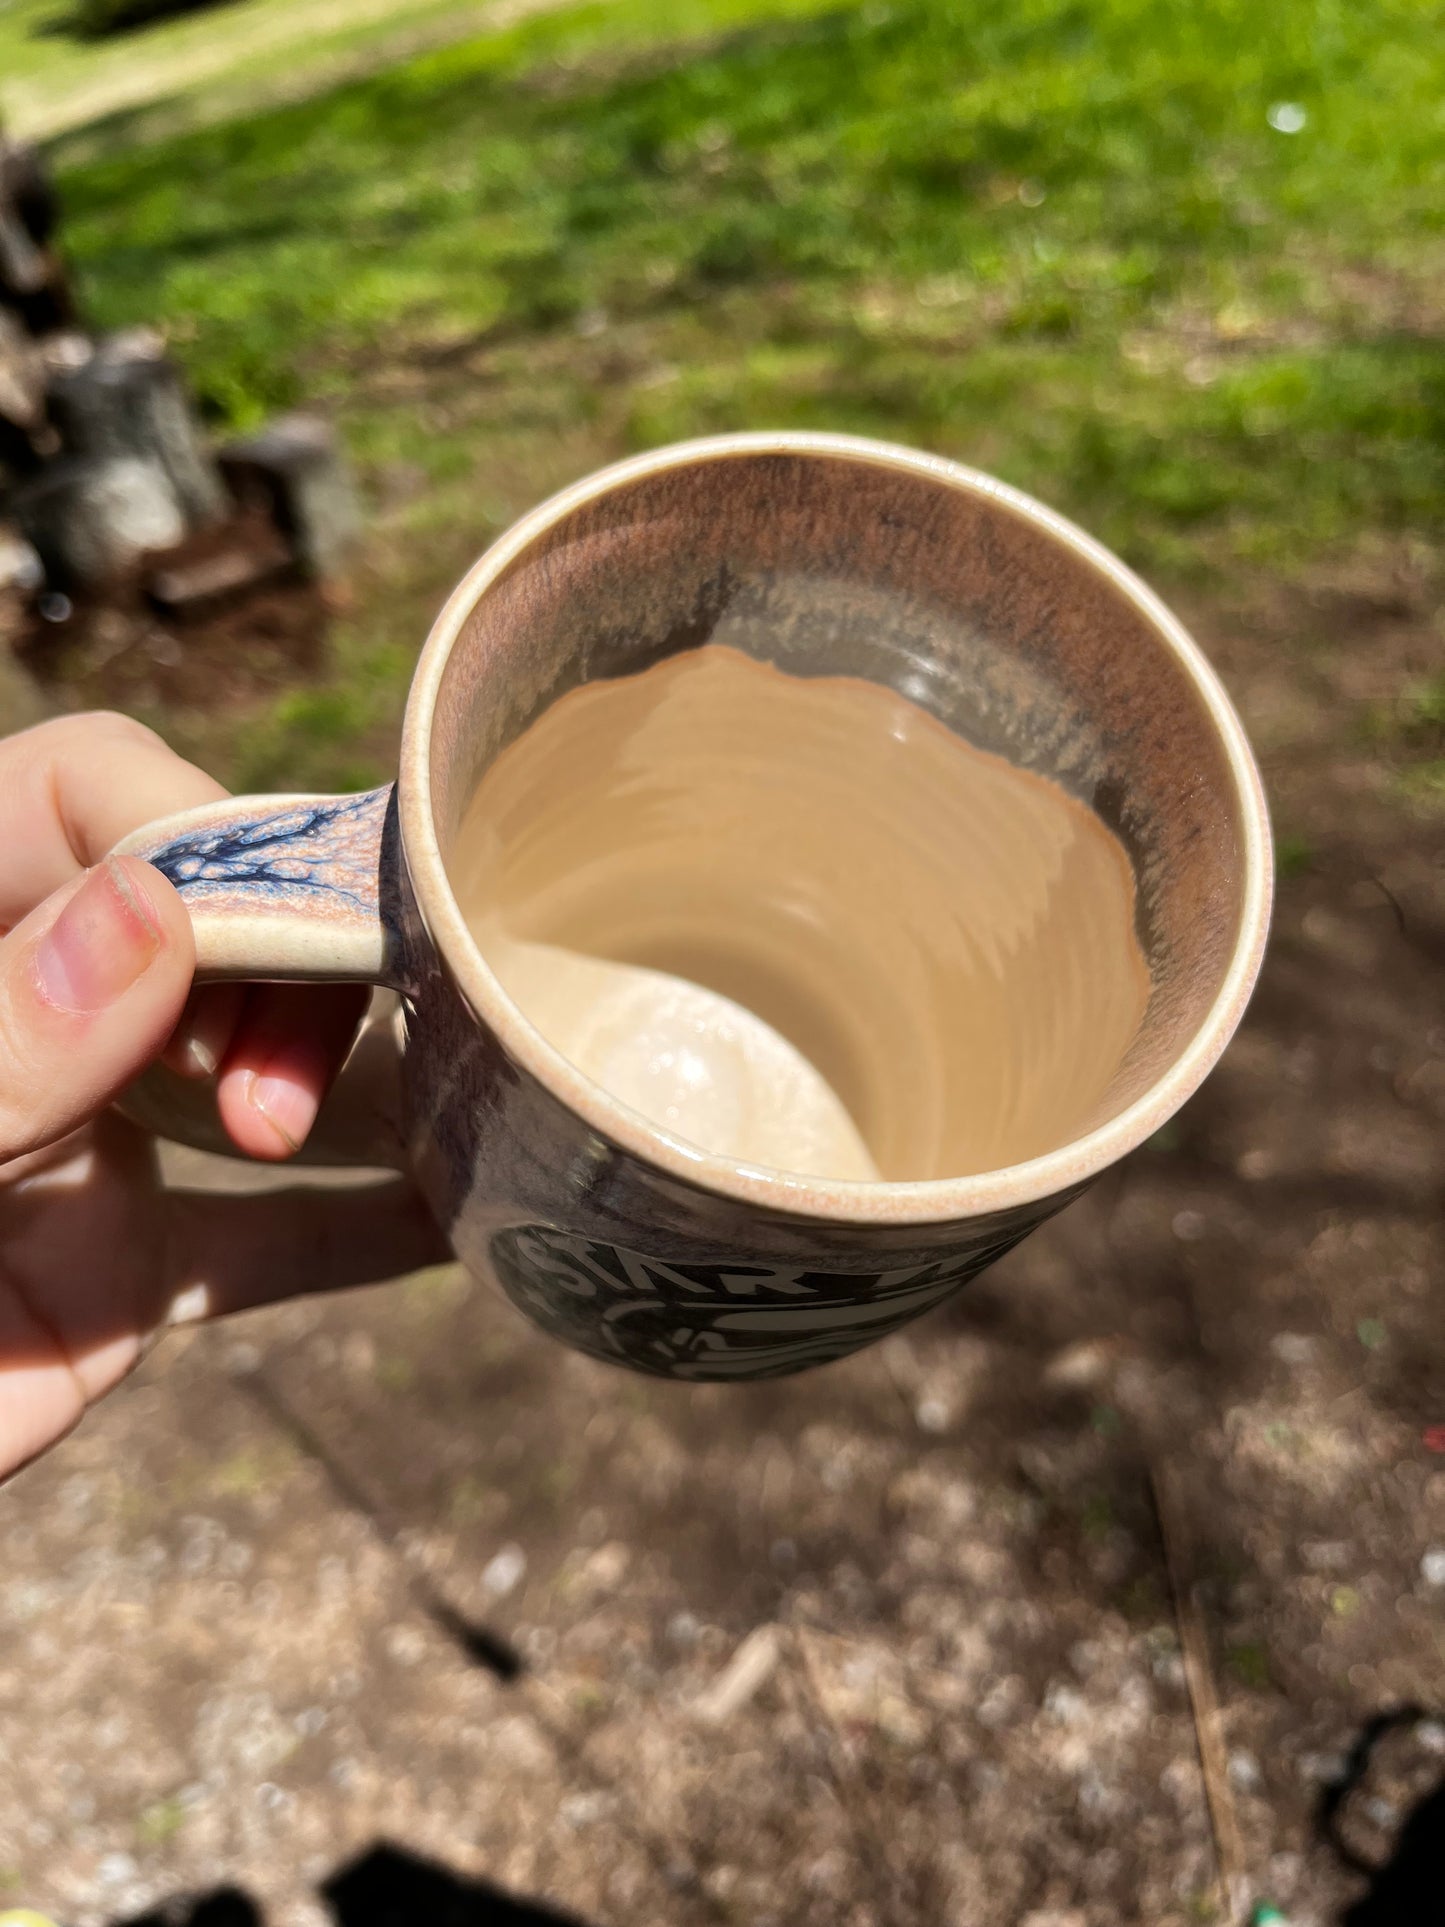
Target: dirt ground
column 384, row 1609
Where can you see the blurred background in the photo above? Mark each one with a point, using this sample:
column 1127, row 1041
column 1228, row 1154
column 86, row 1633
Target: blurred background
column 1117, row 1591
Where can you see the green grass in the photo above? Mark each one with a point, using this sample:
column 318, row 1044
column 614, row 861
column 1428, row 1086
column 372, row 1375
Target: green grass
column 1294, row 855
column 1409, row 736
column 1249, row 1663
column 1060, row 240
column 161, row 1821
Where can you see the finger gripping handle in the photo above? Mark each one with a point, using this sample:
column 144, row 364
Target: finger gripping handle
column 297, row 889
column 289, row 889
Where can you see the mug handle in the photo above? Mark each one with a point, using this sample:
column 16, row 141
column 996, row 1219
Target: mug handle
column 290, row 889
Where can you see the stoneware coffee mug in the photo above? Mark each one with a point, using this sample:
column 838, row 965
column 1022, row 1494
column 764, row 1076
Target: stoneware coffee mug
column 822, row 554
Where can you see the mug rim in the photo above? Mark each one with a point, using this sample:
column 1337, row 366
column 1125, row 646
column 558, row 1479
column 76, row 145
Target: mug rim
column 838, row 1201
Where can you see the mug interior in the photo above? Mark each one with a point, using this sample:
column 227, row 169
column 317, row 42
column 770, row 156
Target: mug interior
column 825, row 557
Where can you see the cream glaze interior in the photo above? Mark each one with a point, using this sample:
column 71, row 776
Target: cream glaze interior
column 797, row 921
column 835, row 557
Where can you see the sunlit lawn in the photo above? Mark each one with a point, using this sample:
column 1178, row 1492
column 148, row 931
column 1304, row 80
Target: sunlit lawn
column 1177, row 268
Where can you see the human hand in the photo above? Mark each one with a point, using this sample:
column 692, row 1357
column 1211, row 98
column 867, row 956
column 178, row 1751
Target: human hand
column 96, row 957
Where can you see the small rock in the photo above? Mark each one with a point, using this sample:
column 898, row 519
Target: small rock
column 1182, row 1782
column 21, row 570
column 91, row 517
column 1084, row 1366
column 719, row 1882
column 1063, row 1705
column 115, row 1868
column 1002, row 1703
column 1284, row 1872
column 604, row 1568
column 1292, row 1348
column 683, row 1629
column 932, row 1415
column 1430, row 1734
column 1432, row 1566
column 1168, row 1669
column 1188, row 1226
column 583, row 1809
column 405, row 1644
column 1244, row 1773
column 504, row 1571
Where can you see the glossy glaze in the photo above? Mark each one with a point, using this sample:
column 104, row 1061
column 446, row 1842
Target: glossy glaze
column 827, row 555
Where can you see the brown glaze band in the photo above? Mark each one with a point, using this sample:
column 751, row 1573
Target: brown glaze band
column 1069, row 649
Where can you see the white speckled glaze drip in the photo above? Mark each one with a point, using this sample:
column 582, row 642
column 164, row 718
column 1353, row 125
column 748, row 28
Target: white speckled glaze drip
column 694, row 1063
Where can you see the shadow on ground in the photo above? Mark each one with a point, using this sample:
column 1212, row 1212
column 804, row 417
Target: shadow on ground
column 1380, row 1823
column 384, row 1887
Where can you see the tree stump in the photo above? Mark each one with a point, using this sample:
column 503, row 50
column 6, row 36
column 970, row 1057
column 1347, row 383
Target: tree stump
column 27, row 188
column 21, row 570
column 32, row 276
column 21, row 574
column 22, row 399
column 127, row 400
column 297, row 470
column 93, row 517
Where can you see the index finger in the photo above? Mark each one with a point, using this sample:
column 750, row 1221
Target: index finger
column 71, row 789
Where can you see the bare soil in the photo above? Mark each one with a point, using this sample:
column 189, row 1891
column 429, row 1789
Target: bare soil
column 121, row 649
column 895, row 1642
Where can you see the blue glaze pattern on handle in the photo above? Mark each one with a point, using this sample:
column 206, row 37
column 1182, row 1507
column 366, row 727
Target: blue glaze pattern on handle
column 287, row 887
column 288, row 851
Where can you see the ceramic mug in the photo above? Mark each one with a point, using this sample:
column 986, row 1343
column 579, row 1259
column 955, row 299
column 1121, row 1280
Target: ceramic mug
column 820, row 553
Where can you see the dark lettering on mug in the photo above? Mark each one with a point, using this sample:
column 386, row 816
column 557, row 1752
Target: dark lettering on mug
column 722, row 1319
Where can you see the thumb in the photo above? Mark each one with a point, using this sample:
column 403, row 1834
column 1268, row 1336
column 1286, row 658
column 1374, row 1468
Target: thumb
column 92, row 984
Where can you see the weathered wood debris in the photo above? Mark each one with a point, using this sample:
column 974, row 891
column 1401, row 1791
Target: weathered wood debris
column 109, row 485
